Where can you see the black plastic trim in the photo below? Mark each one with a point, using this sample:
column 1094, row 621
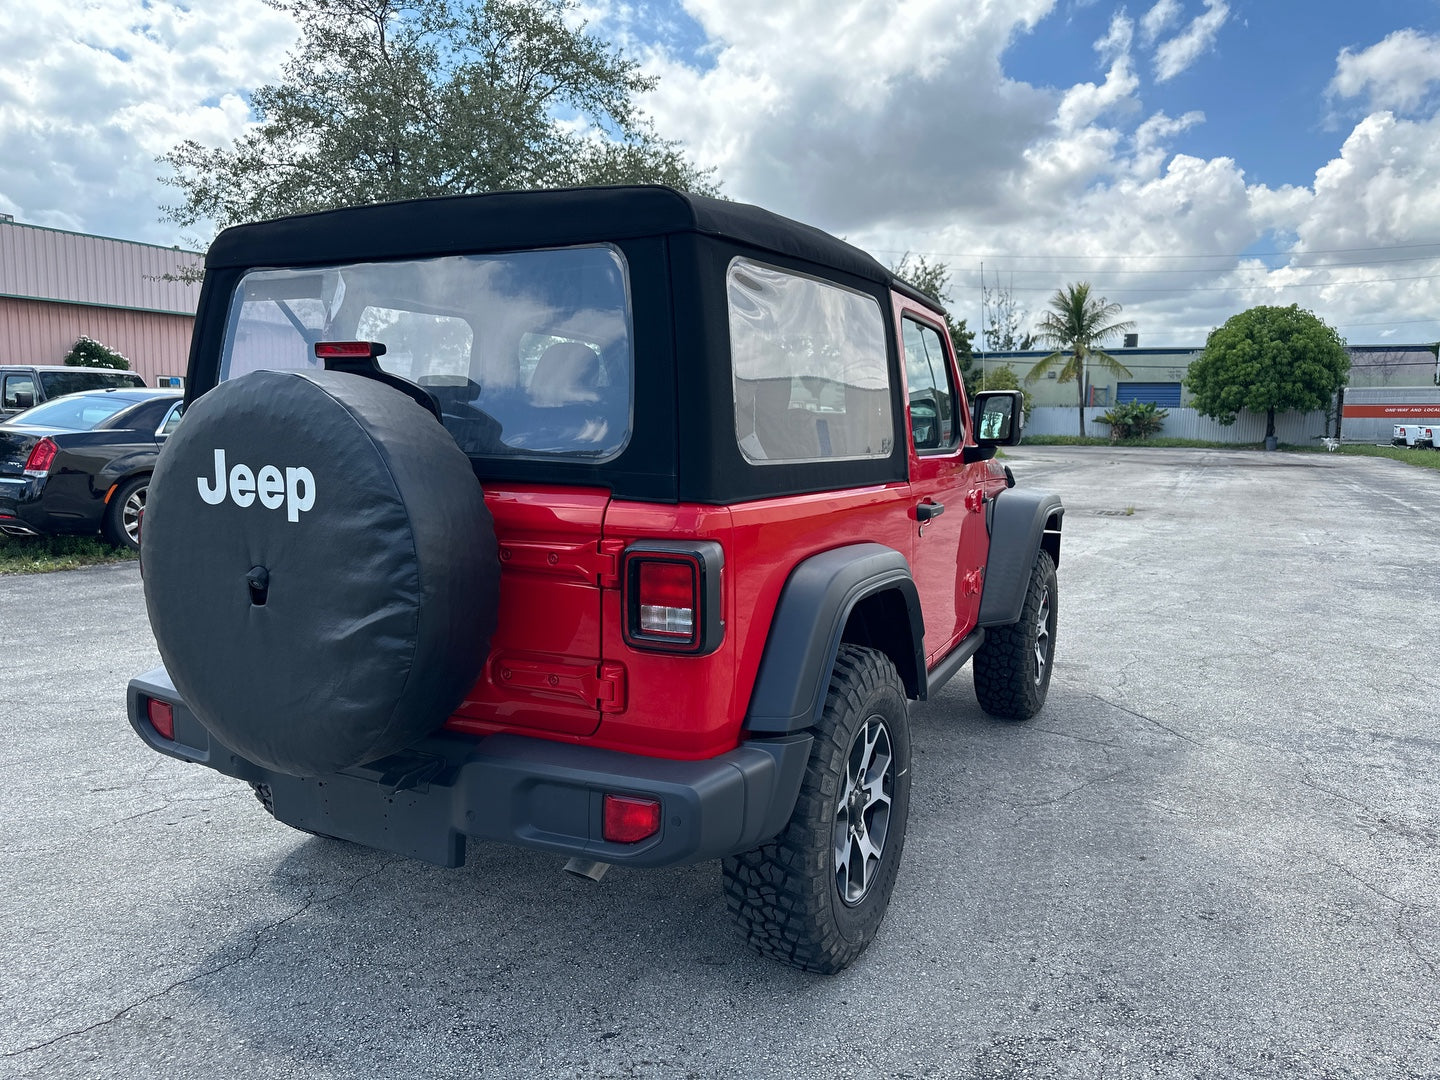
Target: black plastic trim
column 806, row 632
column 1017, row 528
column 946, row 669
column 425, row 801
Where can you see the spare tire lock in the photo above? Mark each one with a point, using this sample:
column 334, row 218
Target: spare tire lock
column 259, row 581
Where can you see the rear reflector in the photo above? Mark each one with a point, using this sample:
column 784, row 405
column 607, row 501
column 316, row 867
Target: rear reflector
column 162, row 717
column 628, row 820
column 42, row 456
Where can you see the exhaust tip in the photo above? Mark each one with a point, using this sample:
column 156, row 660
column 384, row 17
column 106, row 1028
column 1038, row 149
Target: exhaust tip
column 587, row 868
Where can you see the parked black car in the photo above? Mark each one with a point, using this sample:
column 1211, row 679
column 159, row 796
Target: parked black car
column 81, row 463
column 25, row 385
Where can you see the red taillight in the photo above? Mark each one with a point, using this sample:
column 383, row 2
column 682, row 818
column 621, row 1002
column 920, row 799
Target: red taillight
column 667, row 595
column 42, row 456
column 628, row 820
column 347, row 350
column 162, row 717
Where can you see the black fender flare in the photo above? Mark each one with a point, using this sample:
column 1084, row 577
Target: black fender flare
column 1020, row 524
column 810, row 619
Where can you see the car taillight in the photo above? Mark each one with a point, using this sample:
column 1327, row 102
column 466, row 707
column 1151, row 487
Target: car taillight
column 628, row 819
column 666, row 593
column 42, row 456
column 672, row 596
column 161, row 715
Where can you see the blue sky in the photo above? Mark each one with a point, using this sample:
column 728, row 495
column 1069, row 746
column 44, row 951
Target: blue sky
column 1190, row 158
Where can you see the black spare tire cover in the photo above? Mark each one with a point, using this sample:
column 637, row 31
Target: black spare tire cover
column 320, row 569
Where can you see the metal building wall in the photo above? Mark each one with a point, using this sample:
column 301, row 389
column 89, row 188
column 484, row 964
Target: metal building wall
column 56, row 286
column 33, row 332
column 47, row 264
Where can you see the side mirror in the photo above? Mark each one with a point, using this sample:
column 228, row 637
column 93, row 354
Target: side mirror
column 24, row 399
column 999, row 417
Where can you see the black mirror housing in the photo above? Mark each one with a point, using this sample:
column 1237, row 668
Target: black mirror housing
column 999, row 417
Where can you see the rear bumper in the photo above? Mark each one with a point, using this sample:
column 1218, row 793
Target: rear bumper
column 428, row 800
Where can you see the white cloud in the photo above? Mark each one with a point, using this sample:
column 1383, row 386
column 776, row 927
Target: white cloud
column 897, row 127
column 1165, row 14
column 1398, row 73
column 89, row 94
column 1178, row 53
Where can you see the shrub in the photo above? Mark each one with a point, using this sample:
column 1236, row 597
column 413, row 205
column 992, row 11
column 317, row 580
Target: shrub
column 1134, row 420
column 87, row 352
column 1004, row 378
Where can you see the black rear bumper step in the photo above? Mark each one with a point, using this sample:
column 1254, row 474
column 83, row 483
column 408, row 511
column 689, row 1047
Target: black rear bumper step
column 424, row 802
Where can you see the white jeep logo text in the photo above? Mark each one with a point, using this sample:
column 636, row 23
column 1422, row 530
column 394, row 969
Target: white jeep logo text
column 296, row 489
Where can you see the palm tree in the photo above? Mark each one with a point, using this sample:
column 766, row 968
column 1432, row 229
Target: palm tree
column 1076, row 325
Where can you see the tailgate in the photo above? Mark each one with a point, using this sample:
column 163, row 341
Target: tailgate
column 544, row 671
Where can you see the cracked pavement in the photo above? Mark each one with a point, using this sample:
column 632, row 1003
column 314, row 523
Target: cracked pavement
column 1215, row 853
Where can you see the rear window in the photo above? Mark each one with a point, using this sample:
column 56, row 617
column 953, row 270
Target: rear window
column 78, row 413
column 73, row 382
column 811, row 377
column 529, row 353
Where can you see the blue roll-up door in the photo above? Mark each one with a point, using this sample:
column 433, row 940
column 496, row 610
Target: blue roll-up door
column 1164, row 394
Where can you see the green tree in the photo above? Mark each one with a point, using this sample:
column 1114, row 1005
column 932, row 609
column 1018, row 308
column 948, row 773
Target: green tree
column 1268, row 359
column 87, row 352
column 1004, row 378
column 1076, row 325
column 399, row 99
column 933, row 279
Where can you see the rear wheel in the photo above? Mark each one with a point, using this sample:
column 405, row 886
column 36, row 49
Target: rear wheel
column 122, row 515
column 1012, row 668
column 814, row 896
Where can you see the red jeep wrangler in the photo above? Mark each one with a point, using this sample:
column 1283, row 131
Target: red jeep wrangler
column 613, row 522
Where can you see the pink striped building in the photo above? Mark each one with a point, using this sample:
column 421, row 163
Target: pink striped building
column 57, row 286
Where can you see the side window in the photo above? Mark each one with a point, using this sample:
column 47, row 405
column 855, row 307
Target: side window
column 15, row 385
column 172, row 419
column 932, row 392
column 810, row 372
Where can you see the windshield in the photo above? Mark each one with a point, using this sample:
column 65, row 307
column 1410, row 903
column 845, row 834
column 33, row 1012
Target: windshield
column 528, row 353
column 79, row 412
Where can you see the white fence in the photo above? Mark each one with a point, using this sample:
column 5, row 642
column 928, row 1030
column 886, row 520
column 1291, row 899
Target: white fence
column 1290, row 427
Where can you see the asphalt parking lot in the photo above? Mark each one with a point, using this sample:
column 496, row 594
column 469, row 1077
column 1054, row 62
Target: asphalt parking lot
column 1215, row 853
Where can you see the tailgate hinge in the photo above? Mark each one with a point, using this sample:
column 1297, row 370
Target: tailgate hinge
column 609, row 563
column 610, row 687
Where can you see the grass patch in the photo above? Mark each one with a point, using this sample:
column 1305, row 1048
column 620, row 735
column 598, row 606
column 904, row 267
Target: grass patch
column 1158, row 441
column 41, row 554
column 1425, row 459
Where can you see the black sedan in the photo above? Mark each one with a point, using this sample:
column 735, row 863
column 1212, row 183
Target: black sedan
column 81, row 463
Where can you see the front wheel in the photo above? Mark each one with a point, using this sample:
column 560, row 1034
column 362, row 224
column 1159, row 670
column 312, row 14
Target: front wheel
column 1012, row 667
column 814, row 896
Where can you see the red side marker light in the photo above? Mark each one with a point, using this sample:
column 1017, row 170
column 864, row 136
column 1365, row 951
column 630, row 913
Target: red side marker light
column 162, row 717
column 629, row 820
column 42, row 456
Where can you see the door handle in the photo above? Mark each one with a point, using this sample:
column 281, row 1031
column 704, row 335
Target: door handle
column 927, row 510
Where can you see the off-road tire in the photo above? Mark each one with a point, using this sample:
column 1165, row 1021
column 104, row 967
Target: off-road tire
column 1012, row 668
column 121, row 526
column 786, row 895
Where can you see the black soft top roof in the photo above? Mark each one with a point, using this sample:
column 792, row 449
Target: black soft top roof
column 526, row 219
